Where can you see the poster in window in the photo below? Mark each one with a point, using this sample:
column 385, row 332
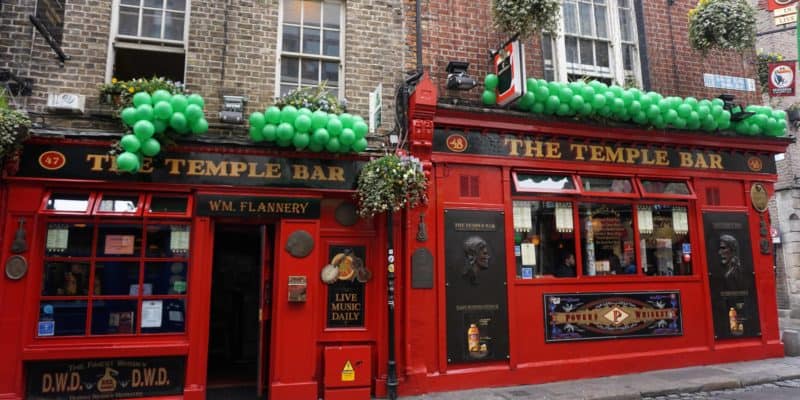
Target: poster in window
column 119, row 245
column 476, row 301
column 730, row 269
column 152, row 312
column 346, row 294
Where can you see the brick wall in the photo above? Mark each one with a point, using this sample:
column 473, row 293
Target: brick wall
column 242, row 64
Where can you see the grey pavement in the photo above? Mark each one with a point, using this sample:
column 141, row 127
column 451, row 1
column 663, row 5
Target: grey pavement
column 715, row 379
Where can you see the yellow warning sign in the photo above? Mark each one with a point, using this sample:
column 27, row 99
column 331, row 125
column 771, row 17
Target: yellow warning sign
column 348, row 373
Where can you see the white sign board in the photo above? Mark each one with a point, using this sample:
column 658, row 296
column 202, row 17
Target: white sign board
column 375, row 106
column 729, row 82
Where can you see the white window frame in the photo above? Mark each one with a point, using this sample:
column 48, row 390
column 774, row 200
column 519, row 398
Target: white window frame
column 616, row 64
column 341, row 58
column 115, row 40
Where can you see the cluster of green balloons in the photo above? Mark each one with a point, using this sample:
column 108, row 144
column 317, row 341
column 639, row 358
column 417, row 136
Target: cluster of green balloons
column 153, row 114
column 595, row 98
column 304, row 129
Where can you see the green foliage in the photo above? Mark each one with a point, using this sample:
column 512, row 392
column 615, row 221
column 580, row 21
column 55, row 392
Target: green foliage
column 14, row 127
column 723, row 25
column 762, row 64
column 313, row 98
column 127, row 89
column 526, row 17
column 390, row 183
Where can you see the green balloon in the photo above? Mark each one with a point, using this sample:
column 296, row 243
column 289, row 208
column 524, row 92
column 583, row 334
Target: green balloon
column 302, row 123
column 576, row 102
column 537, row 108
column 659, row 122
column 587, row 92
column 197, row 100
column 273, row 115
column 586, row 109
column 640, row 118
column 679, row 123
column 199, row 127
column 646, row 101
column 301, row 140
column 178, row 102
column 348, row 137
column 755, row 130
column 489, row 98
column 716, row 111
column 319, row 119
column 605, row 111
column 684, row 110
column 320, row 136
column 541, row 94
column 316, row 147
column 653, row 112
column 347, row 120
column 759, row 119
column 627, row 98
column 526, row 101
column 779, row 114
column 162, row 110
column 255, row 133
column 333, row 145
column 718, row 102
column 285, row 131
column 334, row 126
column 160, row 95
column 193, row 112
column 360, row 145
column 634, row 107
column 598, row 101
column 530, row 85
column 742, row 128
column 144, row 112
column 360, row 128
column 564, row 110
column 343, row 148
column 670, row 116
column 142, row 98
column 151, row 147
column 490, row 82
column 692, row 102
column 269, row 132
column 284, row 143
column 617, row 90
column 160, row 125
column 694, row 116
column 288, row 114
column 130, row 143
column 178, row 122
column 257, row 120
column 554, row 88
column 565, row 95
column 724, row 124
column 304, row 111
column 552, row 104
column 617, row 105
column 128, row 116
column 127, row 161
column 144, row 130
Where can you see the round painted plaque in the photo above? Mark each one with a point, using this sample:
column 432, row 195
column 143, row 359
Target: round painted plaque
column 759, row 197
column 16, row 267
column 300, row 243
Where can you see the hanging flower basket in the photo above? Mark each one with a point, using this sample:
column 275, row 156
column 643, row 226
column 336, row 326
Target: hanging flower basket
column 722, row 25
column 525, row 17
column 14, row 129
column 390, row 183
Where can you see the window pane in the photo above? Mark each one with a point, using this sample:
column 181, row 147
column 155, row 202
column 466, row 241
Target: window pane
column 600, row 21
column 65, row 279
column 331, row 15
column 311, row 13
column 291, row 11
column 665, row 248
column 173, row 26
column 179, row 5
column 310, row 41
column 113, row 317
column 570, row 18
column 612, row 185
column 69, row 240
column 291, row 38
column 168, row 204
column 68, row 202
column 628, row 56
column 625, row 27
column 602, row 52
column 128, row 21
column 119, row 240
column 531, row 182
column 310, row 72
column 151, row 23
column 607, row 244
column 586, row 23
column 117, row 278
column 572, row 49
column 154, row 3
column 167, row 240
column 127, row 204
column 330, row 73
column 289, row 69
column 547, row 47
column 172, row 318
column 285, row 89
column 130, row 2
column 66, row 318
column 541, row 248
column 166, row 277
column 665, row 187
column 587, row 51
column 330, row 46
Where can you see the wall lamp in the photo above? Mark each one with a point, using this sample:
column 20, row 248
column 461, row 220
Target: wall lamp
column 736, row 110
column 457, row 78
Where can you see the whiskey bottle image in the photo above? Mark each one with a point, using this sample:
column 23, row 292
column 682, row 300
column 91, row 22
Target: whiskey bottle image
column 473, row 339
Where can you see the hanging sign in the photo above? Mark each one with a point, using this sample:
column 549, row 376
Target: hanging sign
column 776, row 4
column 510, row 71
column 782, row 76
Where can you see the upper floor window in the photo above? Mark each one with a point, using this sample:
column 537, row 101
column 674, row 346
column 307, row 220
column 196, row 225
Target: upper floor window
column 311, row 45
column 148, row 29
column 599, row 41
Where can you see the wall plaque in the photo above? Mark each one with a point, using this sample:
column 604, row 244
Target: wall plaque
column 16, row 267
column 422, row 269
column 300, row 243
column 759, row 197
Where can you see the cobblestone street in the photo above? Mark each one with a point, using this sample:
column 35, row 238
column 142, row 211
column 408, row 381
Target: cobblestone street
column 782, row 390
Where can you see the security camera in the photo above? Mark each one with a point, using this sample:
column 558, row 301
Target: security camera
column 457, row 77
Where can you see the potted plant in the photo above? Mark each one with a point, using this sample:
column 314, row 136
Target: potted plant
column 793, row 112
column 313, row 98
column 111, row 93
column 120, row 93
column 14, row 127
column 390, row 183
column 722, row 25
column 526, row 17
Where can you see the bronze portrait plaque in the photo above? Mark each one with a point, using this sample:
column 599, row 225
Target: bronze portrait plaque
column 16, row 267
column 300, row 243
column 759, row 197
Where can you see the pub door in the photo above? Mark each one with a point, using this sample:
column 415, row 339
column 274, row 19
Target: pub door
column 238, row 345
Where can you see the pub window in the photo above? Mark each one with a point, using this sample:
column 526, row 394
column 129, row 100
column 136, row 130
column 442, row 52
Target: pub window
column 544, row 182
column 544, row 239
column 607, row 239
column 665, row 188
column 114, row 277
column 613, row 186
column 68, row 202
column 122, row 204
column 664, row 240
column 178, row 205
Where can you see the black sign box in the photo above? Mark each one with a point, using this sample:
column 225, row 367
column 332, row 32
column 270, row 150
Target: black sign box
column 117, row 378
column 254, row 206
column 734, row 303
column 475, row 262
column 585, row 316
column 346, row 297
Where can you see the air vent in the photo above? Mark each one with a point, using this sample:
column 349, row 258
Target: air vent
column 470, row 186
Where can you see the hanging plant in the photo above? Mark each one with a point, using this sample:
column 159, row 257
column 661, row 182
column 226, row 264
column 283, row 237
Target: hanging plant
column 525, row 17
column 762, row 65
column 723, row 25
column 390, row 183
column 14, row 127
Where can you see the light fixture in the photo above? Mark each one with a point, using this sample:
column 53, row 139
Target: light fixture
column 736, row 110
column 457, row 78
